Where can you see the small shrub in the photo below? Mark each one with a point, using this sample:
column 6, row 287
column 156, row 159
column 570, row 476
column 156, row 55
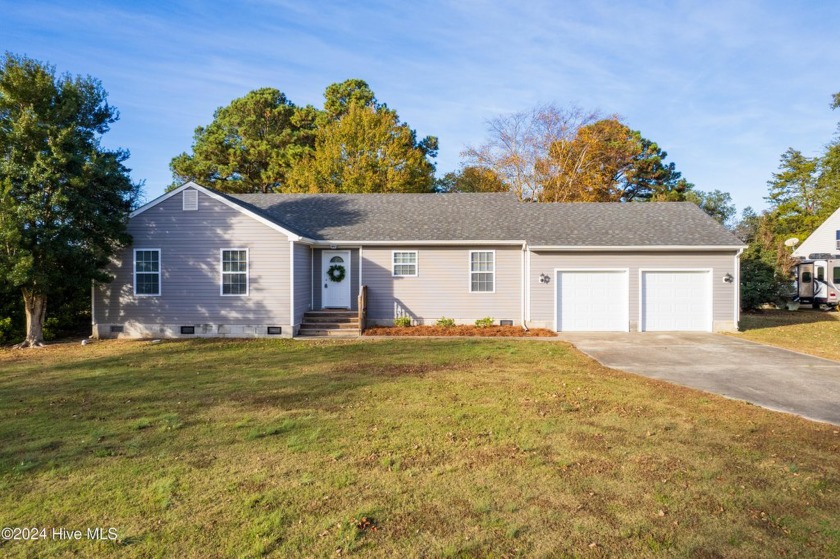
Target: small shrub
column 445, row 322
column 51, row 328
column 759, row 285
column 6, row 328
column 485, row 322
column 402, row 321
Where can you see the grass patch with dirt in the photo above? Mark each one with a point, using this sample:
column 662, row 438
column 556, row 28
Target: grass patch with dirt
column 807, row 331
column 409, row 448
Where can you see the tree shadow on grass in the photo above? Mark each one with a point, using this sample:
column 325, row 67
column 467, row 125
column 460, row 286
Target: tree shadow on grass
column 131, row 403
column 774, row 318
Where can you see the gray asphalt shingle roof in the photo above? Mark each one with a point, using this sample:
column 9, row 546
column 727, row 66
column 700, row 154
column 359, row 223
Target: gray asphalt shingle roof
column 487, row 217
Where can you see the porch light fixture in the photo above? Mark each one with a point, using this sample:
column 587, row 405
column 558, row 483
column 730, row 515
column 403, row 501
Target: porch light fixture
column 545, row 278
column 727, row 278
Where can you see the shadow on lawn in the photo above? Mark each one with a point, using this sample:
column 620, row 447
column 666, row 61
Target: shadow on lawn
column 774, row 318
column 69, row 412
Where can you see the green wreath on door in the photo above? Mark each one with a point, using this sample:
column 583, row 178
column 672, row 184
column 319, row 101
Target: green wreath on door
column 336, row 273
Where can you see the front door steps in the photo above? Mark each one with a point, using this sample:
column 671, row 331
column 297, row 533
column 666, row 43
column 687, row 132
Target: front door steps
column 330, row 323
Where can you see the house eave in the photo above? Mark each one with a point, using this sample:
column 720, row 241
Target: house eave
column 637, row 248
column 344, row 243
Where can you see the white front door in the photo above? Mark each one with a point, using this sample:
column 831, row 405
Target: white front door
column 335, row 294
column 820, row 287
column 592, row 301
column 679, row 301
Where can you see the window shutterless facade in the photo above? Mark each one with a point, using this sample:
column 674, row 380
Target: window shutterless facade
column 404, row 263
column 482, row 271
column 235, row 280
column 147, row 271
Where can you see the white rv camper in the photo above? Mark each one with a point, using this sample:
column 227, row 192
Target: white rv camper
column 818, row 280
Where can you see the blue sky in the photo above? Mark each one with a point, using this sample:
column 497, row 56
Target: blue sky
column 723, row 87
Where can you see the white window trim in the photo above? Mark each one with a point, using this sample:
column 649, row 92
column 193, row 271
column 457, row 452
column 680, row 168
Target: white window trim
column 159, row 272
column 394, row 273
column 470, row 271
column 222, row 273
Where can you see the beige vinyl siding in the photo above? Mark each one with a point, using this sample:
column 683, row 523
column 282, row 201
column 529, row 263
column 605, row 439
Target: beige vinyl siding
column 542, row 296
column 318, row 278
column 442, row 285
column 303, row 281
column 190, row 243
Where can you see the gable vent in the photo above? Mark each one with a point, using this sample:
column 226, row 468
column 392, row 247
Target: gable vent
column 190, row 200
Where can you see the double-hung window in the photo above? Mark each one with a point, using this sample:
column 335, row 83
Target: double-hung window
column 147, row 271
column 482, row 271
column 404, row 263
column 235, row 271
column 837, row 236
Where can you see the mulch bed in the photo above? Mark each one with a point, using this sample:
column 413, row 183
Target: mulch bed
column 489, row 332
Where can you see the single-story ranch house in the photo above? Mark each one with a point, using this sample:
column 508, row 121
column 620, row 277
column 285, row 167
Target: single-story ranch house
column 204, row 263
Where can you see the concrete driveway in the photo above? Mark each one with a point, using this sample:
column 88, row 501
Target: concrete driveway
column 770, row 377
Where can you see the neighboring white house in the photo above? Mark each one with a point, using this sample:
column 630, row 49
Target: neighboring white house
column 825, row 240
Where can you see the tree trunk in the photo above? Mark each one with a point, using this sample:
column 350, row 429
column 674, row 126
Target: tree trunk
column 36, row 309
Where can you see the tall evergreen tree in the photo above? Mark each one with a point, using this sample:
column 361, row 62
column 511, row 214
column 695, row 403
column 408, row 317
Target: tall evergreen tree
column 263, row 142
column 795, row 193
column 250, row 146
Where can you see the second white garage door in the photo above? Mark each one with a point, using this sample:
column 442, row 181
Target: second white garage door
column 677, row 301
column 592, row 301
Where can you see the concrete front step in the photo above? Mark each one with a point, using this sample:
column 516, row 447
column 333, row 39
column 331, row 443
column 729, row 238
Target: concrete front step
column 331, row 313
column 330, row 325
column 332, row 319
column 328, row 333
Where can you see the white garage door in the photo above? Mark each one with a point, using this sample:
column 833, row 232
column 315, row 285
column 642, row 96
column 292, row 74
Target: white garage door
column 677, row 301
column 592, row 301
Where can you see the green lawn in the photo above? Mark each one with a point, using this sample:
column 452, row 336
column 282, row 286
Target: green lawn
column 398, row 448
column 807, row 331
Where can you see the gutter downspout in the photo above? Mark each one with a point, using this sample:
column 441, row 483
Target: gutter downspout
column 292, row 314
column 94, row 331
column 524, row 279
column 737, row 282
